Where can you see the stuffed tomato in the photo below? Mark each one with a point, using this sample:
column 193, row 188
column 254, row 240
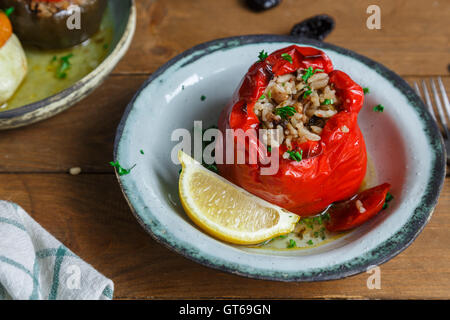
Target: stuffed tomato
column 313, row 109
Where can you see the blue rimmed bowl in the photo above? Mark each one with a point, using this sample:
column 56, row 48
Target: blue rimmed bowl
column 403, row 143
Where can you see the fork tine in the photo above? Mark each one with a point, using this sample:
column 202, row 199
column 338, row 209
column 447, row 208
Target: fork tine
column 444, row 96
column 416, row 88
column 441, row 113
column 427, row 99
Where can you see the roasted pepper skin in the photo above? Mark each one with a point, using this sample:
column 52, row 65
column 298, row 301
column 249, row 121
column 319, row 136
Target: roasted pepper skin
column 332, row 169
column 345, row 215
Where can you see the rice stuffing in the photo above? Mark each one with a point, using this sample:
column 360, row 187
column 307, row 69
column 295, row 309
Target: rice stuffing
column 297, row 106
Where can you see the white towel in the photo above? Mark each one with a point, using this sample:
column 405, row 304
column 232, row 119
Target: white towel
column 34, row 265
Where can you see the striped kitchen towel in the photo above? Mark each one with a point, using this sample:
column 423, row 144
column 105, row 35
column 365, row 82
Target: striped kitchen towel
column 34, row 265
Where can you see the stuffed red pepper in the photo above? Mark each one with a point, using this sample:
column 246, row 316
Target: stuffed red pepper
column 313, row 109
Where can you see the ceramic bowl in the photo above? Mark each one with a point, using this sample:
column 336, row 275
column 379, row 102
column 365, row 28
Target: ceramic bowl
column 124, row 17
column 403, row 143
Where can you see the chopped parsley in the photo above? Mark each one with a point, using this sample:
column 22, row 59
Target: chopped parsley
column 322, row 233
column 262, row 97
column 262, row 55
column 141, row 151
column 9, row 11
column 389, row 198
column 309, row 72
column 310, row 242
column 295, row 155
column 308, row 222
column 378, row 108
column 291, row 244
column 318, row 219
column 269, row 94
column 64, row 65
column 283, row 236
column 203, row 98
column 269, row 148
column 211, row 167
column 328, row 101
column 307, row 93
column 285, row 112
column 120, row 170
column 366, row 90
column 287, row 57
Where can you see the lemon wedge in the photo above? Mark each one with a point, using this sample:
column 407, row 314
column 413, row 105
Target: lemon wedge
column 227, row 211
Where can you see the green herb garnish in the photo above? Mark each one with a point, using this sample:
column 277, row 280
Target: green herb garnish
column 318, row 219
column 295, row 155
column 328, row 101
column 269, row 94
column 269, row 148
column 262, row 55
column 389, row 198
column 8, row 11
column 309, row 72
column 366, row 90
column 307, row 93
column 322, row 233
column 285, row 112
column 120, row 170
column 291, row 244
column 283, row 236
column 310, row 242
column 64, row 65
column 287, row 57
column 141, row 151
column 378, row 108
column 262, row 97
column 309, row 223
column 212, row 167
column 203, row 98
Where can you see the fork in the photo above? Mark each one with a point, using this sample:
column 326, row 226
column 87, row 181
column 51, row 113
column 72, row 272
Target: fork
column 443, row 109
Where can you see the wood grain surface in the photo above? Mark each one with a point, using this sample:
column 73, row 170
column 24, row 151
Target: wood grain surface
column 89, row 214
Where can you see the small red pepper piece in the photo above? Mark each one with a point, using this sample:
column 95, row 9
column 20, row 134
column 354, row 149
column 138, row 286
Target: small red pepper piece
column 347, row 215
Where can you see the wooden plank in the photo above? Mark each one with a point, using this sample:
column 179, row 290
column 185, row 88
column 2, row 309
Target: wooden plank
column 83, row 136
column 413, row 40
column 100, row 228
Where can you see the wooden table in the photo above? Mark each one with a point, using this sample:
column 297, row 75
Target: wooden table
column 89, row 214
